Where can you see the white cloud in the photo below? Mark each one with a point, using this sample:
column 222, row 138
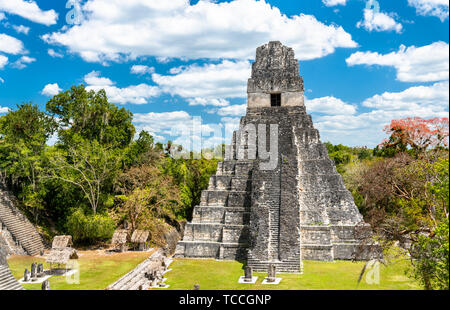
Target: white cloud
column 329, row 105
column 51, row 90
column 3, row 61
column 163, row 60
column 185, row 129
column 2, row 80
column 93, row 78
column 414, row 98
column 413, row 64
column 135, row 94
column 438, row 8
column 21, row 29
column 29, row 10
column 161, row 122
column 22, row 62
column 114, row 30
column 54, row 54
column 162, row 125
column 378, row 21
column 233, row 110
column 141, row 69
column 4, row 110
column 367, row 128
column 334, row 2
column 208, row 101
column 10, row 45
column 2, row 16
column 227, row 79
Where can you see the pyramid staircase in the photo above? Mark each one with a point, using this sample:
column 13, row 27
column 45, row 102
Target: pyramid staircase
column 22, row 231
column 7, row 281
column 219, row 225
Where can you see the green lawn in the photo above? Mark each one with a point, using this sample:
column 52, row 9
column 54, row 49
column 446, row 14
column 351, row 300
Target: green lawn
column 97, row 269
column 339, row 275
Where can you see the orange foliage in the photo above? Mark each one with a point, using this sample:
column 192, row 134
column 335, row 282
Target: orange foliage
column 418, row 133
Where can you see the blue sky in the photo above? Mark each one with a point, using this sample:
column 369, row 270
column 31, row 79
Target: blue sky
column 363, row 62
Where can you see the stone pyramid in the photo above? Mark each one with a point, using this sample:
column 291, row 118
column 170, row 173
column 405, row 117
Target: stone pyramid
column 297, row 209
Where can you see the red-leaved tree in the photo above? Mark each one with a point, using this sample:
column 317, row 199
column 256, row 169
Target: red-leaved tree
column 417, row 133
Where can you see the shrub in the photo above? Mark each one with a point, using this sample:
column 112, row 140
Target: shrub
column 90, row 229
column 430, row 259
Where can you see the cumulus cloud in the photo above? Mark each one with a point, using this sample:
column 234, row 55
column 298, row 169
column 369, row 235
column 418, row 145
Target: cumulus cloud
column 21, row 29
column 3, row 110
column 161, row 123
column 334, row 2
column 176, row 126
column 438, row 8
column 413, row 64
column 3, row 61
column 434, row 97
column 141, row 69
column 54, row 54
column 378, row 21
column 51, row 90
column 367, row 127
column 114, row 30
column 22, row 62
column 10, row 45
column 329, row 105
column 135, row 94
column 228, row 79
column 29, row 10
column 233, row 110
column 185, row 129
column 208, row 101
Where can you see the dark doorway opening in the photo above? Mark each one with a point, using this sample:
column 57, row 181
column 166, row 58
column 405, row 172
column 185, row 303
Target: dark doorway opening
column 275, row 100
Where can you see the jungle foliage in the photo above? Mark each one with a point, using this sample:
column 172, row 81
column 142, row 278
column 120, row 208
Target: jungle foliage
column 97, row 175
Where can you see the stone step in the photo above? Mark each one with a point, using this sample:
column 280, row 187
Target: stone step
column 136, row 277
column 227, row 182
column 214, row 232
column 234, row 167
column 226, row 198
column 210, row 249
column 18, row 225
column 7, row 281
column 220, row 215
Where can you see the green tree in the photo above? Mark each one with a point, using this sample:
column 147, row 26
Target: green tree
column 90, row 115
column 147, row 199
column 23, row 136
column 89, row 166
column 142, row 151
column 192, row 176
column 431, row 263
column 91, row 228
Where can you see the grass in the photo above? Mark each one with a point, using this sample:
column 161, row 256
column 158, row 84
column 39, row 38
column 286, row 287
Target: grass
column 97, row 269
column 340, row 275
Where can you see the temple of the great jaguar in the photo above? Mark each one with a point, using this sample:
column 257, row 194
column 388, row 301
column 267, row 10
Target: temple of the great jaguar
column 275, row 209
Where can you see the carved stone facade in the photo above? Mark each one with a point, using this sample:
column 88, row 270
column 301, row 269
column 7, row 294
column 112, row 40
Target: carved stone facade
column 298, row 210
column 275, row 71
